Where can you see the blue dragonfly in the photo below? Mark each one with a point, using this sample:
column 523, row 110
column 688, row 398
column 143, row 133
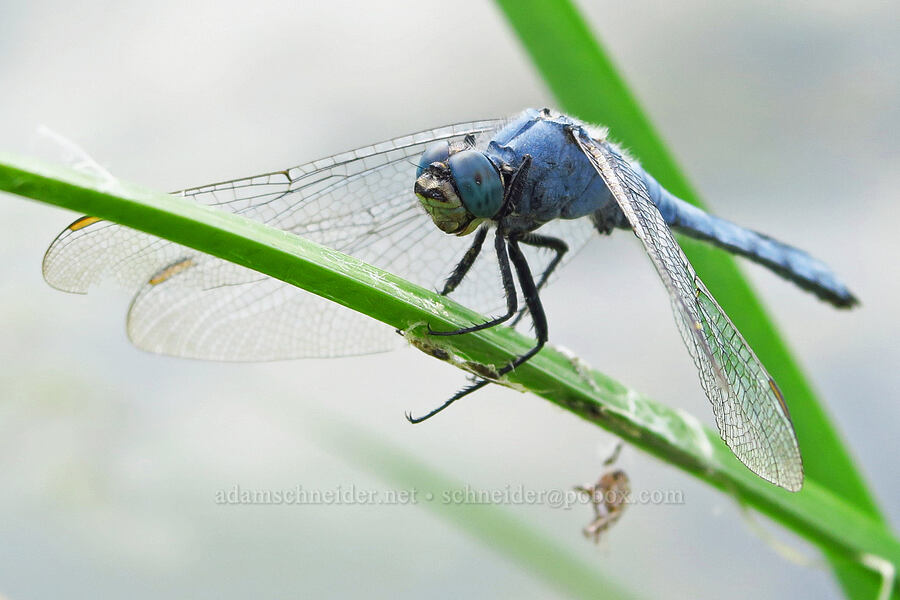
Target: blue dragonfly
column 542, row 182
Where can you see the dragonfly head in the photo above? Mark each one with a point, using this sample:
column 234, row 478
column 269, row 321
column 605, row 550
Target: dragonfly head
column 459, row 190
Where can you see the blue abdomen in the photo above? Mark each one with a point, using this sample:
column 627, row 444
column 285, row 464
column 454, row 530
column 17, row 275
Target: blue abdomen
column 563, row 184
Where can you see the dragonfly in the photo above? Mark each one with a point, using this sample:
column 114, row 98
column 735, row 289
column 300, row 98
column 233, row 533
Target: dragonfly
column 422, row 206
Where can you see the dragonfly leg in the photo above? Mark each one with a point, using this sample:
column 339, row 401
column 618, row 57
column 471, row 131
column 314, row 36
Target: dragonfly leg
column 468, row 259
column 526, row 281
column 514, row 187
column 463, row 392
column 533, row 301
column 509, row 288
column 551, row 243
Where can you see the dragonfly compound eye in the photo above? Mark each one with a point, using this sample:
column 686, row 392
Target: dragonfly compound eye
column 435, row 190
column 436, row 152
column 478, row 182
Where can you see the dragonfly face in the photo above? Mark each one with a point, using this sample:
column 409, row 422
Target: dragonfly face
column 458, row 189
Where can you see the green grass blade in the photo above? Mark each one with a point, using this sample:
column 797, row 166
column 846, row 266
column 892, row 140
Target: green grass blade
column 816, row 513
column 586, row 83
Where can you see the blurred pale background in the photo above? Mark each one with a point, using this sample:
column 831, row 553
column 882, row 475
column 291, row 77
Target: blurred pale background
column 786, row 118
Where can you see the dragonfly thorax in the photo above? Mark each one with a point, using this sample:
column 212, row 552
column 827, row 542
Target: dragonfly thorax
column 458, row 189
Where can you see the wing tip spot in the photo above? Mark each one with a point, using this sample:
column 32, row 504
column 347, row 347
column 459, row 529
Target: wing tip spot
column 780, row 397
column 83, row 222
column 170, row 271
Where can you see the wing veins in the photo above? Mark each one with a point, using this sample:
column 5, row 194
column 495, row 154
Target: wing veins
column 710, row 336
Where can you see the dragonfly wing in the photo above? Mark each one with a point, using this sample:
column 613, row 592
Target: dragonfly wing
column 750, row 411
column 195, row 305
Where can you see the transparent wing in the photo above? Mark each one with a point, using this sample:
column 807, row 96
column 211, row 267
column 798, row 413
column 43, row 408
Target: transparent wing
column 195, row 305
column 750, row 411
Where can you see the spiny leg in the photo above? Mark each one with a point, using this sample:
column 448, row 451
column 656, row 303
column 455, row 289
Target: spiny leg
column 468, row 259
column 533, row 302
column 550, row 243
column 509, row 288
column 463, row 392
